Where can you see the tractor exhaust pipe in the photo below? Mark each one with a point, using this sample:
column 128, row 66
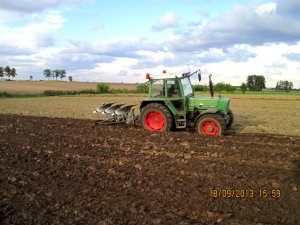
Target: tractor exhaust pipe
column 211, row 87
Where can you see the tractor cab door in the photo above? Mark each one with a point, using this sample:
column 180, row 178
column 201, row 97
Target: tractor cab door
column 175, row 102
column 174, row 95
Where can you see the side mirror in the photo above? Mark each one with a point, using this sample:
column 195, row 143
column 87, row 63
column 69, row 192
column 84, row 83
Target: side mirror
column 199, row 75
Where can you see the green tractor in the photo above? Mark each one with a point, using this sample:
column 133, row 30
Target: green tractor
column 171, row 104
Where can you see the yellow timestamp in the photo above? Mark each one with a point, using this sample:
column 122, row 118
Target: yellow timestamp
column 264, row 193
column 243, row 193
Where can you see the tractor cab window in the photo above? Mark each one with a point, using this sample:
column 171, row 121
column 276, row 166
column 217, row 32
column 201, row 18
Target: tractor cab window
column 158, row 89
column 173, row 89
column 187, row 86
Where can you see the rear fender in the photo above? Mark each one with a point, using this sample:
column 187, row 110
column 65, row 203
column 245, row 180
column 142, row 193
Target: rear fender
column 146, row 102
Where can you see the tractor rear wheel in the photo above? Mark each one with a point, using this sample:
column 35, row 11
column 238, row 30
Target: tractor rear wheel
column 231, row 119
column 156, row 117
column 211, row 124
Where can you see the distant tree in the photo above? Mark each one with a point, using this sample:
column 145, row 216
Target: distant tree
column 284, row 86
column 102, row 88
column 142, row 88
column 47, row 73
column 13, row 72
column 30, row 77
column 288, row 86
column 219, row 87
column 229, row 88
column 56, row 73
column 7, row 72
column 256, row 82
column 244, row 87
column 261, row 82
column 62, row 74
column 200, row 88
column 70, row 78
column 1, row 71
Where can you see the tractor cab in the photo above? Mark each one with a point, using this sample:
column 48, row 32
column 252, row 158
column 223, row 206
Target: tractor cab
column 172, row 91
column 171, row 86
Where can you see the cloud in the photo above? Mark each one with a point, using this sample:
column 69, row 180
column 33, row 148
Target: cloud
column 30, row 6
column 75, row 61
column 212, row 56
column 45, row 40
column 290, row 8
column 10, row 50
column 243, row 41
column 126, row 47
column 118, row 70
column 242, row 25
column 237, row 54
column 266, row 8
column 31, row 34
column 149, row 59
column 169, row 20
column 86, row 55
column 292, row 56
column 202, row 13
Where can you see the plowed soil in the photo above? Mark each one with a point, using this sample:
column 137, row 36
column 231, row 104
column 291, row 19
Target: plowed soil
column 68, row 171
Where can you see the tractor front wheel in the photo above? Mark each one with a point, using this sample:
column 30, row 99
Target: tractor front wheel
column 211, row 124
column 156, row 117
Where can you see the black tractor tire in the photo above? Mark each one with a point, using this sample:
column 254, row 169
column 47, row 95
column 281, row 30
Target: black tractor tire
column 156, row 117
column 230, row 122
column 211, row 124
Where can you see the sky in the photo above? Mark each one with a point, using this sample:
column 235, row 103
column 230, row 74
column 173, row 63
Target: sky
column 121, row 41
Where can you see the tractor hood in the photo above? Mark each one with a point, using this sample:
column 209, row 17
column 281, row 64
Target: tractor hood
column 204, row 103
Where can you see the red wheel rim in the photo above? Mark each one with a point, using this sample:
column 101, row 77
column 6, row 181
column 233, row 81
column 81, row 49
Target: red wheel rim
column 154, row 121
column 210, row 128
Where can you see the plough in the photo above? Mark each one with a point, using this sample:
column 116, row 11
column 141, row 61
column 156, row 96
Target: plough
column 116, row 113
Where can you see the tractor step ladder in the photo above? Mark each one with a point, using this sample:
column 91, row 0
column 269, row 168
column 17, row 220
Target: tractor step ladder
column 180, row 121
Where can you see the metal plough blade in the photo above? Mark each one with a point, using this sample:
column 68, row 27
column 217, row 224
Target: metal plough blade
column 124, row 110
column 102, row 108
column 112, row 109
column 126, row 114
column 116, row 113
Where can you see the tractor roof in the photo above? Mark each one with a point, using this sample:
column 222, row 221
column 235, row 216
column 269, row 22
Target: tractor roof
column 164, row 76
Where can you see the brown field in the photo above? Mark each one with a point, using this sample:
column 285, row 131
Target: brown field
column 70, row 171
column 32, row 87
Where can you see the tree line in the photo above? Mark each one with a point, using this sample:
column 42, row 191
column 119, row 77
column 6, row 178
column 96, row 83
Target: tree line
column 284, row 86
column 258, row 83
column 253, row 83
column 8, row 72
column 54, row 74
